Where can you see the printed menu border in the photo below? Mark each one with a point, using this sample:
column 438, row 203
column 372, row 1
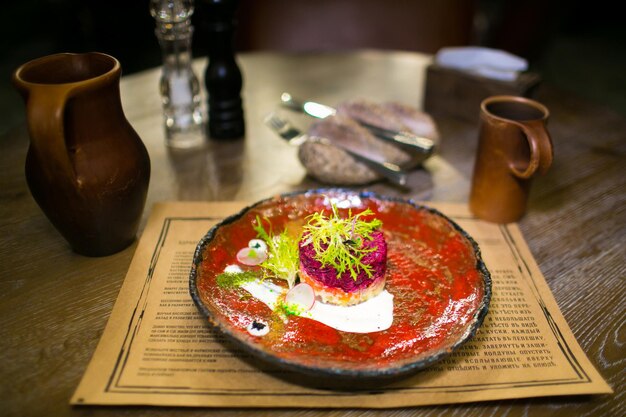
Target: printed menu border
column 114, row 386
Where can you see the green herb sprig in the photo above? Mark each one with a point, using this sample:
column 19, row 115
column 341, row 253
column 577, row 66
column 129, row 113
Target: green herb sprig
column 282, row 261
column 338, row 241
column 232, row 280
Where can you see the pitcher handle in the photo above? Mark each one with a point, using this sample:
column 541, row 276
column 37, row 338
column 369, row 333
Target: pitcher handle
column 45, row 111
column 540, row 145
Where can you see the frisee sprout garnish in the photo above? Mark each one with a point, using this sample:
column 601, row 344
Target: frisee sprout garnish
column 282, row 261
column 338, row 241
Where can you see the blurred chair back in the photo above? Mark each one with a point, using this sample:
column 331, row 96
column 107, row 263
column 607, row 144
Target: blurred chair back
column 315, row 25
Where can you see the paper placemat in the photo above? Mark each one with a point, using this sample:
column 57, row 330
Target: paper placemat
column 158, row 350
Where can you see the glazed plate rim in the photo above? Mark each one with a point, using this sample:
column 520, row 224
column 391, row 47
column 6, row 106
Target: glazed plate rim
column 385, row 372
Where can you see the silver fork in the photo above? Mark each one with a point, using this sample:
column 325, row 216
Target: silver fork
column 294, row 136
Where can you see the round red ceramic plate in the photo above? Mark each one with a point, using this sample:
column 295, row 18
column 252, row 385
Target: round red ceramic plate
column 440, row 286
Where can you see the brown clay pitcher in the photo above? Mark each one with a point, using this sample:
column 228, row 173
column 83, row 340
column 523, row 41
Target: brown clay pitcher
column 86, row 167
column 513, row 146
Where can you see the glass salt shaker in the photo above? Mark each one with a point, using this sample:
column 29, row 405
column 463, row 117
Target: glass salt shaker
column 179, row 86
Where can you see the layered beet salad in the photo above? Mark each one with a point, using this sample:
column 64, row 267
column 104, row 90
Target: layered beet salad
column 343, row 260
column 328, row 267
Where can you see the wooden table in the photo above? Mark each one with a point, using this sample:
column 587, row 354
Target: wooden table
column 54, row 304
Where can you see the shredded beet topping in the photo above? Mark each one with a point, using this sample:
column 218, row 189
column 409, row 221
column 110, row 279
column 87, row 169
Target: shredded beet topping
column 328, row 275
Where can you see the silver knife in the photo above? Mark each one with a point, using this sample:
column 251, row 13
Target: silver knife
column 406, row 140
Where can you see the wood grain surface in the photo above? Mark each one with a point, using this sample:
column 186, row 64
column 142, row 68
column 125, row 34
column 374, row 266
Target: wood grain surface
column 54, row 304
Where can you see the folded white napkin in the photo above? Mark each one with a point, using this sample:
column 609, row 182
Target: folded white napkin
column 487, row 62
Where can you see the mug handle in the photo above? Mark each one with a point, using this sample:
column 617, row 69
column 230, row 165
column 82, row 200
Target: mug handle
column 45, row 111
column 541, row 154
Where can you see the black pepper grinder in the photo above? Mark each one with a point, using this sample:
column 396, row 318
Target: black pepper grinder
column 223, row 77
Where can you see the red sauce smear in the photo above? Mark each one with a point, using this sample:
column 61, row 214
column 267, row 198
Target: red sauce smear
column 431, row 272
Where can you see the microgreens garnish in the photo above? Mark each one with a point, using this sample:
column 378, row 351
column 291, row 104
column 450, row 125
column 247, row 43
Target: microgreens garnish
column 235, row 279
column 338, row 241
column 290, row 309
column 282, row 261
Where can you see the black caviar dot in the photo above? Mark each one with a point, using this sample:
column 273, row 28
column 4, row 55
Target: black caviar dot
column 258, row 326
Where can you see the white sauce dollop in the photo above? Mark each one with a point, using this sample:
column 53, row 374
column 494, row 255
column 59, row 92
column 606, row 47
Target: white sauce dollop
column 373, row 315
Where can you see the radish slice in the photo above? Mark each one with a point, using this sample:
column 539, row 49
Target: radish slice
column 258, row 244
column 250, row 256
column 301, row 295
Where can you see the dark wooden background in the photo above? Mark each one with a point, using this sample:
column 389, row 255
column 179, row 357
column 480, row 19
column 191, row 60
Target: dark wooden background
column 576, row 45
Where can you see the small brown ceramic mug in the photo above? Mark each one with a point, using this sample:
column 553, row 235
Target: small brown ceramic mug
column 514, row 144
